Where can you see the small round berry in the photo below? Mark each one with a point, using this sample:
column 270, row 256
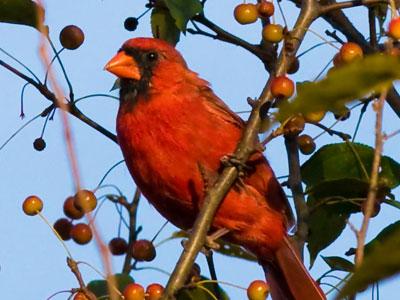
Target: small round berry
column 63, row 227
column 143, row 250
column 342, row 116
column 70, row 210
column 337, row 61
column 294, row 66
column 265, row 9
column 81, row 233
column 282, row 87
column 394, row 28
column 246, row 13
column 131, row 23
column 85, row 200
column 306, row 144
column 117, row 246
column 375, row 209
column 314, row 117
column 349, row 52
column 272, row 33
column 80, row 296
column 154, row 291
column 32, row 205
column 257, row 290
column 294, row 125
column 133, row 291
column 71, row 37
column 39, row 144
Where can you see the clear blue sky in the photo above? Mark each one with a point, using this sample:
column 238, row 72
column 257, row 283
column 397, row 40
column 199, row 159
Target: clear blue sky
column 32, row 260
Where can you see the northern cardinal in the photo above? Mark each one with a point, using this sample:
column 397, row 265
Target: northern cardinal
column 173, row 131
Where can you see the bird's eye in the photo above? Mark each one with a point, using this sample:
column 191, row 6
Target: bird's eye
column 151, row 56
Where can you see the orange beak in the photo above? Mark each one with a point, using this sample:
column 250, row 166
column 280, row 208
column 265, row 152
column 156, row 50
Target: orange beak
column 123, row 66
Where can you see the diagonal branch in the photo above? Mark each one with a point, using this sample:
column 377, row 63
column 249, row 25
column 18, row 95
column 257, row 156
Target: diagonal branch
column 71, row 108
column 229, row 174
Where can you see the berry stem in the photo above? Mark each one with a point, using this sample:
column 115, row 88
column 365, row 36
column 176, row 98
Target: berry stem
column 56, row 233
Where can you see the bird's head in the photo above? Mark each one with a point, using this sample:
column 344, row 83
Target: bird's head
column 139, row 59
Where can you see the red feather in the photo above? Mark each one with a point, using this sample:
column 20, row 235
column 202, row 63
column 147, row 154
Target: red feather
column 176, row 126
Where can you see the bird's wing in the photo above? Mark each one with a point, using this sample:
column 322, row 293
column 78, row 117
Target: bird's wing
column 217, row 107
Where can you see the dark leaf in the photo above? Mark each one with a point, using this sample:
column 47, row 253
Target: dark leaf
column 163, row 26
column 183, row 10
column 19, row 12
column 100, row 288
column 330, row 204
column 200, row 293
column 224, row 247
column 383, row 261
column 116, row 85
column 339, row 161
column 368, row 75
column 337, row 263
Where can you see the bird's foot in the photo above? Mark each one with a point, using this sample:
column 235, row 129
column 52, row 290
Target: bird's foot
column 210, row 243
column 231, row 160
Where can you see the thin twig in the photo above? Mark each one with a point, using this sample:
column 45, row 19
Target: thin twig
column 373, row 188
column 75, row 270
column 348, row 4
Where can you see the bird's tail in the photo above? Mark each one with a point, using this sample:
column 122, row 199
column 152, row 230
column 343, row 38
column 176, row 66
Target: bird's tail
column 288, row 278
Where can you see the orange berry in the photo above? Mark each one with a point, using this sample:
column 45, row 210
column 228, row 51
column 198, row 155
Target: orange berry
column 85, row 200
column 394, row 28
column 70, row 209
column 154, row 291
column 134, row 291
column 265, row 9
column 32, row 205
column 349, row 52
column 80, row 296
column 81, row 233
column 282, row 87
column 257, row 290
column 272, row 33
column 246, row 13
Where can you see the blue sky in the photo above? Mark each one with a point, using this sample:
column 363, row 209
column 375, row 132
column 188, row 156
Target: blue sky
column 32, row 260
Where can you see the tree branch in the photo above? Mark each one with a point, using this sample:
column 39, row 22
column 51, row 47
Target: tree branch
column 71, row 107
column 243, row 151
column 295, row 186
column 348, row 4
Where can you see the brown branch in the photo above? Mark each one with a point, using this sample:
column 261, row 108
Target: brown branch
column 71, row 108
column 373, row 188
column 294, row 183
column 343, row 136
column 372, row 27
column 75, row 270
column 348, row 4
column 266, row 54
column 243, row 151
column 132, row 209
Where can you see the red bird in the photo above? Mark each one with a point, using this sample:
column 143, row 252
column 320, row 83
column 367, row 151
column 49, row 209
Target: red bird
column 173, row 131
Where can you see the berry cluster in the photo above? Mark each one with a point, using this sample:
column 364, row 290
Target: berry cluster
column 135, row 291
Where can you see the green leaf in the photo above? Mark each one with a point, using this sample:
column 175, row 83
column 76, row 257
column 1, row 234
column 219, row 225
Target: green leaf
column 382, row 262
column 198, row 293
column 183, row 10
column 19, row 12
column 100, row 287
column 225, row 248
column 382, row 237
column 326, row 223
column 337, row 263
column 339, row 161
column 345, row 84
column 163, row 26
